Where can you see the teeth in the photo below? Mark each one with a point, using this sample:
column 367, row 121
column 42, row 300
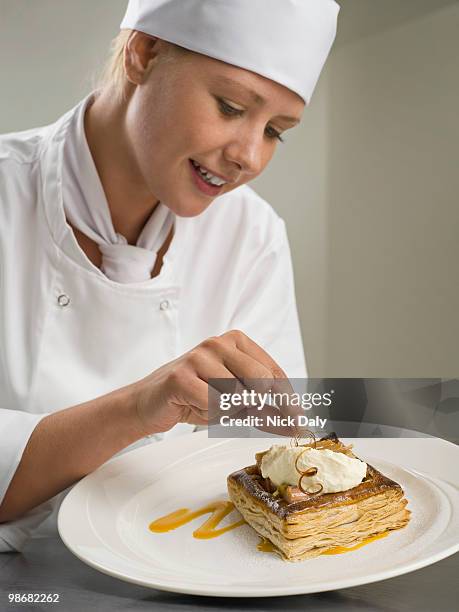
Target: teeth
column 208, row 177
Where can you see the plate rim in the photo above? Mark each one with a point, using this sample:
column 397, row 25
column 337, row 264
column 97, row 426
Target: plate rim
column 242, row 590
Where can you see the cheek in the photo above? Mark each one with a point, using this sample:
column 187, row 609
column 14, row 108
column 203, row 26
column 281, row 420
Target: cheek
column 151, row 112
column 142, row 129
column 163, row 132
column 201, row 131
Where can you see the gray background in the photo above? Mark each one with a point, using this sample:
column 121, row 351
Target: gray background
column 47, row 566
column 367, row 185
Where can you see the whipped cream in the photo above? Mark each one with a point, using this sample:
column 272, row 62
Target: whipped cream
column 335, row 471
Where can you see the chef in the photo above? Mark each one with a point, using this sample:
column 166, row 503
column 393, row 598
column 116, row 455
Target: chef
column 135, row 262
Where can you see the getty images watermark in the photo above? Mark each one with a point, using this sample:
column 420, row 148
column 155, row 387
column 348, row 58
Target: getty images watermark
column 266, row 407
column 272, row 408
column 350, row 407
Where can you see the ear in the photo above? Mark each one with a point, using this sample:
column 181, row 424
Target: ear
column 139, row 51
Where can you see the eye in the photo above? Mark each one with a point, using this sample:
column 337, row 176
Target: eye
column 272, row 133
column 229, row 110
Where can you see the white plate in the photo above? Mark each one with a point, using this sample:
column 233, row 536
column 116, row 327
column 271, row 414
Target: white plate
column 104, row 520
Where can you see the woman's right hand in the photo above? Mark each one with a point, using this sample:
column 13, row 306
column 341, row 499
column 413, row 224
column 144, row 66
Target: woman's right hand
column 70, row 443
column 178, row 391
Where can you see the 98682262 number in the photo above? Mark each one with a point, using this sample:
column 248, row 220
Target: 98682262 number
column 33, row 597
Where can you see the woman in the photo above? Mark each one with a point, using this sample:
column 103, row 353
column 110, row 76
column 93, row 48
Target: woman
column 136, row 263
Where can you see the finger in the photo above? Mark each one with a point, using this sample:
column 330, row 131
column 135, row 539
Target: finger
column 258, row 377
column 245, row 367
column 195, row 394
column 198, row 396
column 221, row 381
column 213, row 371
column 198, row 417
column 193, row 417
column 260, row 372
column 270, row 369
column 280, row 385
column 252, row 349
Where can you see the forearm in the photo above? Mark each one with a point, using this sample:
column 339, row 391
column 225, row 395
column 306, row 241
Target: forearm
column 67, row 445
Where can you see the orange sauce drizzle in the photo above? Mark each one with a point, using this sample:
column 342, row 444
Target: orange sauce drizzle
column 339, row 550
column 218, row 510
column 267, row 546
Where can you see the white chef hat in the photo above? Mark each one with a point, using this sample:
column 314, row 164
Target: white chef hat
column 287, row 41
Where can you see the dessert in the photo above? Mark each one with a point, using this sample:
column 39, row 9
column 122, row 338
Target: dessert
column 313, row 498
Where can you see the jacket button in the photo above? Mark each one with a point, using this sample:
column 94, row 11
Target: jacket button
column 164, row 305
column 63, row 300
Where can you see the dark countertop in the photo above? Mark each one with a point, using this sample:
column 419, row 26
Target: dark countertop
column 46, row 566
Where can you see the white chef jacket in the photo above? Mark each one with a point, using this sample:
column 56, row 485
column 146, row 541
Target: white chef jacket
column 69, row 334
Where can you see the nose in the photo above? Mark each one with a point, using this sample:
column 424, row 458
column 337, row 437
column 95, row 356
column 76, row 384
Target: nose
column 246, row 150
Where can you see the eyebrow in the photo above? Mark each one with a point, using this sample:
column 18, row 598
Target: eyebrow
column 254, row 95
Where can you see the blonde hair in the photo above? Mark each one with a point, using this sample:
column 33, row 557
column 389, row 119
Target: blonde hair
column 113, row 75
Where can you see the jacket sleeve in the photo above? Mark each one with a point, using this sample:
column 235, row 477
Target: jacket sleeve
column 266, row 310
column 16, row 427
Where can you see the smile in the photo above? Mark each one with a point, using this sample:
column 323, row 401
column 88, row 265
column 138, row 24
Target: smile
column 208, row 183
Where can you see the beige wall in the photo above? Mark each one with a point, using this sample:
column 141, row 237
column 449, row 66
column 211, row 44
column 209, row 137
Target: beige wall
column 296, row 184
column 367, row 185
column 49, row 52
column 392, row 294
column 372, row 208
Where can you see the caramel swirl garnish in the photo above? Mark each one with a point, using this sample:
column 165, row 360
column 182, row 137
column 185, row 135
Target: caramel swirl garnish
column 312, row 471
column 295, row 441
column 307, row 491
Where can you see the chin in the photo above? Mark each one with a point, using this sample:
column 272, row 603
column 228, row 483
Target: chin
column 188, row 208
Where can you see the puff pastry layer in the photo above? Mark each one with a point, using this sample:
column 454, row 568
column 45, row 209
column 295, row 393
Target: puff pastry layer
column 312, row 524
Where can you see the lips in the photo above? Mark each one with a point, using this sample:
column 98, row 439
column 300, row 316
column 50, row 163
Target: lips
column 216, row 174
column 202, row 185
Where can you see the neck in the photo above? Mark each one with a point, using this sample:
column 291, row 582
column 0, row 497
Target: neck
column 129, row 199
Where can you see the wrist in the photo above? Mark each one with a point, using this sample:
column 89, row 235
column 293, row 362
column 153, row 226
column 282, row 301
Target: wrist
column 125, row 402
